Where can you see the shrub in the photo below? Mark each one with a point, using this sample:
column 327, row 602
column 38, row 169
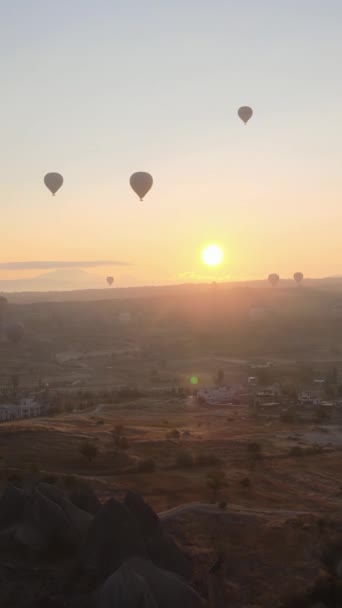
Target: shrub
column 216, row 480
column 122, row 443
column 70, row 481
column 89, row 450
column 118, row 430
column 33, row 468
column 14, row 478
column 175, row 434
column 184, row 459
column 205, row 459
column 297, row 451
column 146, row 466
column 49, row 478
column 254, row 449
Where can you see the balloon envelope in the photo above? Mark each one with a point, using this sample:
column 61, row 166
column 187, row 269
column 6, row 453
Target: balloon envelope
column 245, row 113
column 141, row 183
column 273, row 279
column 53, row 181
column 110, row 280
column 298, row 277
column 14, row 332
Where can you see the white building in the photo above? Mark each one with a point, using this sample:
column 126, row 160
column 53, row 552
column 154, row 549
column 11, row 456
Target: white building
column 307, row 401
column 27, row 408
column 270, row 391
column 216, row 396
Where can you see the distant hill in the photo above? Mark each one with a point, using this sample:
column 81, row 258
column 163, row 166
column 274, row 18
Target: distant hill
column 63, row 279
column 80, row 286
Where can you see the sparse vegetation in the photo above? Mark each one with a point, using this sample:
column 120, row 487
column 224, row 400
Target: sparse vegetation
column 207, row 459
column 216, row 481
column 184, row 459
column 174, row 435
column 70, row 481
column 297, row 451
column 89, row 450
column 255, row 451
column 123, row 443
column 146, row 466
column 49, row 478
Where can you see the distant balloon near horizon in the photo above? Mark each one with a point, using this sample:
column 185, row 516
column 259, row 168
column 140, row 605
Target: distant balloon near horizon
column 14, row 332
column 110, row 281
column 245, row 113
column 298, row 277
column 53, row 181
column 141, row 183
column 273, row 279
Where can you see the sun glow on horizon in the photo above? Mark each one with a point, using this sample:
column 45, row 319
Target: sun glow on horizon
column 212, row 255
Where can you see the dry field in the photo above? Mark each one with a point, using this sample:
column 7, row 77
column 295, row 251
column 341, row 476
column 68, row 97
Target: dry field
column 271, row 530
column 280, row 481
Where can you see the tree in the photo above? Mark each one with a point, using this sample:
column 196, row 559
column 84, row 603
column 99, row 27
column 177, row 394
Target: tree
column 255, row 454
column 120, row 442
column 265, row 376
column 329, row 391
column 332, row 376
column 15, row 380
column 216, row 480
column 175, row 434
column 305, row 374
column 219, row 377
column 322, row 414
column 89, row 450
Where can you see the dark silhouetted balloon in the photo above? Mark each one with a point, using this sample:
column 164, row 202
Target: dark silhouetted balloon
column 245, row 113
column 141, row 183
column 14, row 332
column 273, row 279
column 110, row 280
column 53, row 181
column 298, row 277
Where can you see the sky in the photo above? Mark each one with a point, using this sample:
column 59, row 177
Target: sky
column 97, row 90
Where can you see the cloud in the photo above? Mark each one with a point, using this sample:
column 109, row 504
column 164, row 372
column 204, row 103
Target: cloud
column 46, row 265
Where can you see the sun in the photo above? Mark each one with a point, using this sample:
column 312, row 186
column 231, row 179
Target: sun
column 212, row 255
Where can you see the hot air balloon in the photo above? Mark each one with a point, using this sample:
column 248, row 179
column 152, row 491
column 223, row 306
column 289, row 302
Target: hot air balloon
column 14, row 332
column 141, row 183
column 245, row 113
column 53, row 181
column 273, row 279
column 298, row 277
column 110, row 281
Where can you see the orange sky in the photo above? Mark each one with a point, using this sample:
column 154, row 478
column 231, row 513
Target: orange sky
column 166, row 102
